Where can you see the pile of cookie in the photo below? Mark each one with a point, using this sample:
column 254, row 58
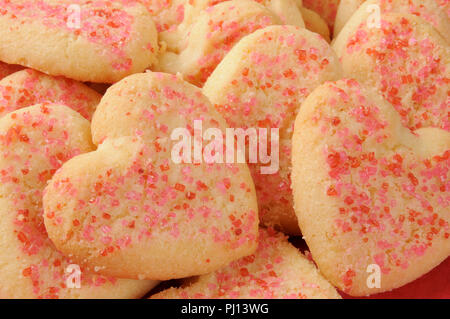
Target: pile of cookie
column 93, row 204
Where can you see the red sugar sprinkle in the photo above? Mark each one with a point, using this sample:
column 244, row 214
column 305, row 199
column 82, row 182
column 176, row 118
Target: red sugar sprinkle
column 180, row 187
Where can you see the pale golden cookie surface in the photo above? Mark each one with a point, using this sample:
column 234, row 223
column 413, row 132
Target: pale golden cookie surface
column 29, row 87
column 130, row 209
column 214, row 33
column 261, row 83
column 406, row 59
column 96, row 41
column 34, row 142
column 434, row 12
column 276, row 270
column 369, row 194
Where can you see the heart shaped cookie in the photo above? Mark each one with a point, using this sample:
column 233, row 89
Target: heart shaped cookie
column 432, row 11
column 261, row 83
column 86, row 40
column 277, row 270
column 215, row 31
column 372, row 197
column 29, row 87
column 132, row 209
column 407, row 60
column 174, row 39
column 34, row 142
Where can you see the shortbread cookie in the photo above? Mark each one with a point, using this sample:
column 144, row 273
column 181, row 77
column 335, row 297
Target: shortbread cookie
column 372, row 198
column 130, row 210
column 261, row 83
column 7, row 69
column 85, row 40
column 29, row 87
column 34, row 142
column 276, row 270
column 214, row 33
column 407, row 60
column 315, row 23
column 434, row 12
column 288, row 12
column 327, row 9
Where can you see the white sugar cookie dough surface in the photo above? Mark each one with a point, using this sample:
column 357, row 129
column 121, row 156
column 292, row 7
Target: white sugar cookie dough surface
column 130, row 209
column 276, row 270
column 406, row 60
column 96, row 41
column 34, row 142
column 28, row 87
column 261, row 83
column 367, row 191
